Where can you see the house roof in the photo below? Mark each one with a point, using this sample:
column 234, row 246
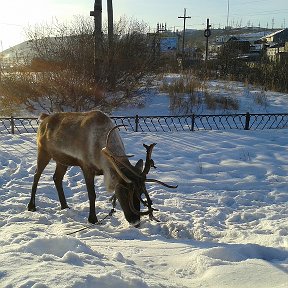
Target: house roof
column 251, row 37
column 274, row 33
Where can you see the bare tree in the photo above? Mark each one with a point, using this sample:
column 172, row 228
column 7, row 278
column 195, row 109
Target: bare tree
column 61, row 75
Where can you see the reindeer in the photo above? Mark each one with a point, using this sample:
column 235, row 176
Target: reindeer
column 91, row 141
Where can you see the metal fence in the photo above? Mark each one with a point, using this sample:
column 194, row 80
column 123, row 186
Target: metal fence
column 17, row 125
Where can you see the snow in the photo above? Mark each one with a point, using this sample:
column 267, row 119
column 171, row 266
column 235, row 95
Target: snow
column 226, row 225
column 251, row 99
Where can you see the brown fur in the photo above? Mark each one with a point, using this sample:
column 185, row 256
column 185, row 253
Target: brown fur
column 76, row 139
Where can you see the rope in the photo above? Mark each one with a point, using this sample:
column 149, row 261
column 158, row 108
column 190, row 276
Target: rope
column 110, row 214
column 93, row 225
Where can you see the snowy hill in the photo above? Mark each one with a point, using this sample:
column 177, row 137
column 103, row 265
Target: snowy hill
column 17, row 54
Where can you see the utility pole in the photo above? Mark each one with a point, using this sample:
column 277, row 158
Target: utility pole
column 110, row 21
column 111, row 68
column 228, row 12
column 207, row 34
column 183, row 39
column 97, row 14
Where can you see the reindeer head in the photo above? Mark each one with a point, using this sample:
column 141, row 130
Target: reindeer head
column 132, row 186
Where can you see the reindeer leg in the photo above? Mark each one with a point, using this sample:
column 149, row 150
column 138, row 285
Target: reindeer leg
column 58, row 178
column 42, row 161
column 89, row 175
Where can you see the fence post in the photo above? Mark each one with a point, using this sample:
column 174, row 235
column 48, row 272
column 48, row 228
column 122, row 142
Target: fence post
column 247, row 121
column 193, row 122
column 136, row 123
column 12, row 125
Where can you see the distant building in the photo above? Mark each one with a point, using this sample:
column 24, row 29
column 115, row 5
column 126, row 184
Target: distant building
column 168, row 44
column 280, row 36
column 277, row 45
column 251, row 45
column 163, row 42
column 278, row 52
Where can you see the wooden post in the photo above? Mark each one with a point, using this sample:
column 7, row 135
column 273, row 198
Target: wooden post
column 111, row 69
column 110, row 22
column 97, row 14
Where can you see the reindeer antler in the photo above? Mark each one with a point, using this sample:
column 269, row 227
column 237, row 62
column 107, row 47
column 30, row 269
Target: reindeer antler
column 162, row 183
column 149, row 161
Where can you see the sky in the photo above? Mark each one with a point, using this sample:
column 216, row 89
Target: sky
column 17, row 15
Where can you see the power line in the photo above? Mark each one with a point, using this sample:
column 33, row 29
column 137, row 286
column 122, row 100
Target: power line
column 270, row 12
column 250, row 2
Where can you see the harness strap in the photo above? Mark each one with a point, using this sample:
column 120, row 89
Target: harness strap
column 110, row 214
column 112, row 211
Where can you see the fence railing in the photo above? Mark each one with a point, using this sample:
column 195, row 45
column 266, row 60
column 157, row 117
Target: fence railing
column 17, row 125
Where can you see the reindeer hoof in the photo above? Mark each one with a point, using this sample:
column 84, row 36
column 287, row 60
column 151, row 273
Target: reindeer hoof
column 92, row 220
column 31, row 208
column 65, row 207
column 137, row 225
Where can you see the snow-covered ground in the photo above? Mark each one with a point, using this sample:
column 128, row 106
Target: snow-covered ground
column 249, row 98
column 226, row 225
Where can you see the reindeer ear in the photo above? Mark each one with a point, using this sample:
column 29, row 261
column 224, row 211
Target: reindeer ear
column 139, row 165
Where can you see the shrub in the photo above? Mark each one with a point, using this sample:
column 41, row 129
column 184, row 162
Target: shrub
column 62, row 75
column 188, row 95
